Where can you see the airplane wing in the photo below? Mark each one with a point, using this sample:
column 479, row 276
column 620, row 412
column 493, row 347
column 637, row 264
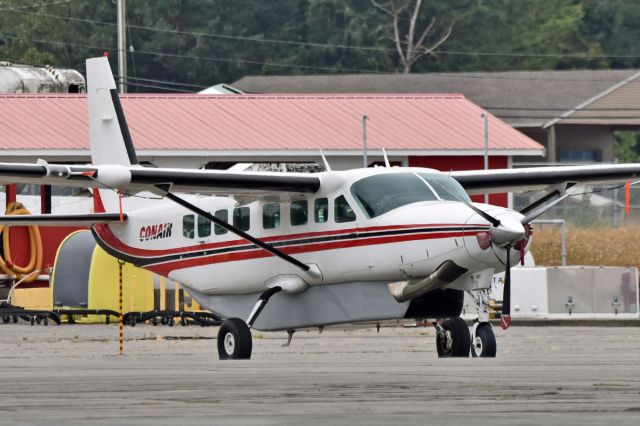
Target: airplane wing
column 61, row 219
column 220, row 182
column 538, row 178
column 137, row 178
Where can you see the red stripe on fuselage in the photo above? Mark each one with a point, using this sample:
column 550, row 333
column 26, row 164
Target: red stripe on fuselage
column 166, row 268
column 104, row 231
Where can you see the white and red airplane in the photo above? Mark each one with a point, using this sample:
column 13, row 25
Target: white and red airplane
column 289, row 251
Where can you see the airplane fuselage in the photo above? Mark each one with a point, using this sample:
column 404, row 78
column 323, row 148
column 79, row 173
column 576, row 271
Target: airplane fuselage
column 329, row 229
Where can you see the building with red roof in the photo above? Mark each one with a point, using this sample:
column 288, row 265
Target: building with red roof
column 445, row 131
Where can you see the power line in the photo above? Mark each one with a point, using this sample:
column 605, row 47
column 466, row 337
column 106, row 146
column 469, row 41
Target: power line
column 151, row 86
column 343, row 46
column 194, row 57
column 31, row 6
column 165, row 82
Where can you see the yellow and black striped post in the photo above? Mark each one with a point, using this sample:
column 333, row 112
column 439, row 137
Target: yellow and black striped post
column 120, row 265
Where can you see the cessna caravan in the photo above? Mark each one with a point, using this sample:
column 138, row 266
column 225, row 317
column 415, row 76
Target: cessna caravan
column 286, row 251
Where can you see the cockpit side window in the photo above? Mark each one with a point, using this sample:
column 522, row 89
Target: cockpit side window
column 382, row 193
column 343, row 211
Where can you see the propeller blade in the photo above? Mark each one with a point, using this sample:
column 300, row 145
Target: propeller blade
column 492, row 220
column 505, row 318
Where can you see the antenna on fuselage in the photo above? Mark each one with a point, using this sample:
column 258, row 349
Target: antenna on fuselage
column 386, row 159
column 326, row 163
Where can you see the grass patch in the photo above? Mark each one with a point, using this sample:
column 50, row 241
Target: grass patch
column 587, row 246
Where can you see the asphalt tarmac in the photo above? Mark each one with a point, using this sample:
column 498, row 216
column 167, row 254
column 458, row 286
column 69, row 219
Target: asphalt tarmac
column 73, row 375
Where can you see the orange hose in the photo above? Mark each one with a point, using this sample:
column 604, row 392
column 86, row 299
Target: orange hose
column 35, row 246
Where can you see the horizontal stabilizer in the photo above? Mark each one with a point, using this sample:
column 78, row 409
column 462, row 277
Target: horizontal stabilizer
column 61, row 219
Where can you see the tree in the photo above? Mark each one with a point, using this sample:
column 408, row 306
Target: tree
column 626, row 147
column 500, row 35
column 406, row 18
column 615, row 25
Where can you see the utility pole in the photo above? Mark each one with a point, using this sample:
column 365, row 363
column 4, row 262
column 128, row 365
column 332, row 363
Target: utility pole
column 485, row 117
column 122, row 46
column 364, row 141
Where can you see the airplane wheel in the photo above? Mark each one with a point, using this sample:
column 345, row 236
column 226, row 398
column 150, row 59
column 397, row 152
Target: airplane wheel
column 484, row 342
column 234, row 339
column 458, row 339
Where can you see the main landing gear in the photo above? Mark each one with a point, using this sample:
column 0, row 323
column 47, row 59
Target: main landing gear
column 453, row 339
column 234, row 335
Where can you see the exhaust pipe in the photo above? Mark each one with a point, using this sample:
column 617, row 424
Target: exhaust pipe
column 444, row 274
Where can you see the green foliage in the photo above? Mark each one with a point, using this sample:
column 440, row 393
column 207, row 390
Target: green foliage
column 203, row 42
column 626, row 148
column 615, row 25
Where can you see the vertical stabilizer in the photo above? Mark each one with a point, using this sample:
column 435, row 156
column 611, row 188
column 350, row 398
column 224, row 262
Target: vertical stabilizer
column 108, row 131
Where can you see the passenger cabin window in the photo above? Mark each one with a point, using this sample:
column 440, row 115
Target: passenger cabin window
column 321, row 210
column 342, row 210
column 224, row 216
column 299, row 212
column 204, row 227
column 188, row 223
column 271, row 216
column 241, row 218
column 382, row 193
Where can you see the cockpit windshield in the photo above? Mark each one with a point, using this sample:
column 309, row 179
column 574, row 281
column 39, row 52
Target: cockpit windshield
column 379, row 194
column 447, row 187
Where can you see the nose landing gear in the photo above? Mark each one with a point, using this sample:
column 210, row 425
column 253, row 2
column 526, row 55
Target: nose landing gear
column 483, row 340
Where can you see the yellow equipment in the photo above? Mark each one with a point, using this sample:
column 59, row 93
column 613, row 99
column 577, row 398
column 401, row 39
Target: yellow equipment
column 86, row 277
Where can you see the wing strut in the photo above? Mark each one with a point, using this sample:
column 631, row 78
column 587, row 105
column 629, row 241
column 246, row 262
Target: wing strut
column 268, row 247
column 540, row 206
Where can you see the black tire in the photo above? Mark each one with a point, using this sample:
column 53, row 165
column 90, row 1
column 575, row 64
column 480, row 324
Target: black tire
column 234, row 339
column 107, row 319
column 45, row 321
column 154, row 321
column 460, row 339
column 183, row 321
column 72, row 320
column 32, row 320
column 171, row 322
column 484, row 343
column 6, row 319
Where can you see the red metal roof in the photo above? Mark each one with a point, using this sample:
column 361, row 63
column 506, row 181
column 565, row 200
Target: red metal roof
column 263, row 122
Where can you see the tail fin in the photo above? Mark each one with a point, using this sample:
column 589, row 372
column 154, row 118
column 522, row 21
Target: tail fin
column 108, row 131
